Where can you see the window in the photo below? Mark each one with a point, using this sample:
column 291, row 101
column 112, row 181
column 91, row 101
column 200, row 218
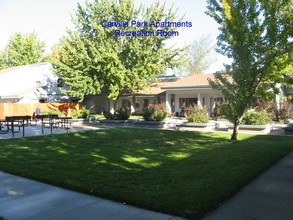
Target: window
column 59, row 82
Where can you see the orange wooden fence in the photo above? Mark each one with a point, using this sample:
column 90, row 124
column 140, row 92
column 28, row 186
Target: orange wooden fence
column 15, row 109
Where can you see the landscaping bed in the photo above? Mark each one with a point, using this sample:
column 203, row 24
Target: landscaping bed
column 264, row 129
column 182, row 173
column 210, row 126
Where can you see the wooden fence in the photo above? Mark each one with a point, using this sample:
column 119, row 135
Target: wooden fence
column 16, row 109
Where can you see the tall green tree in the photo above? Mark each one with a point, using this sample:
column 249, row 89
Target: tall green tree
column 200, row 55
column 257, row 35
column 22, row 49
column 92, row 59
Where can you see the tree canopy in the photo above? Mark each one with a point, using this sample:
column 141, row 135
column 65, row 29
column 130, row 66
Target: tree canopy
column 257, row 35
column 92, row 59
column 22, row 49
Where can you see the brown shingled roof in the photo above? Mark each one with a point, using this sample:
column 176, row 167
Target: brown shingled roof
column 154, row 89
column 197, row 80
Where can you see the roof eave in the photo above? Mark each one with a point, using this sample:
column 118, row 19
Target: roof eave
column 187, row 87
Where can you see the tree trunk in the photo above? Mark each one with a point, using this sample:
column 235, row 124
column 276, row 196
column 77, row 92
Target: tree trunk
column 235, row 129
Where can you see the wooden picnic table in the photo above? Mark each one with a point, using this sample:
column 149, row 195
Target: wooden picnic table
column 50, row 121
column 4, row 123
column 16, row 121
column 64, row 121
column 54, row 121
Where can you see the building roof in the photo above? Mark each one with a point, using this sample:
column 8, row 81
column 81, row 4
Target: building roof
column 154, row 89
column 9, row 69
column 194, row 81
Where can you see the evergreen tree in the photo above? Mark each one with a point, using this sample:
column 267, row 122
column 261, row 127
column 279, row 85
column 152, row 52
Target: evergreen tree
column 257, row 35
column 93, row 60
column 22, row 50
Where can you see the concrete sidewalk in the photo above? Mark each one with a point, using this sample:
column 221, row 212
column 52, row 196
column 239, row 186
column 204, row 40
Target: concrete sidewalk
column 268, row 197
column 22, row 199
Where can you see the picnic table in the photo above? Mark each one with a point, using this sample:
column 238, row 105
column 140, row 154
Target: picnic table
column 11, row 122
column 3, row 124
column 53, row 121
column 16, row 123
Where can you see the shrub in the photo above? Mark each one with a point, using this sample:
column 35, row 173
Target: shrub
column 108, row 115
column 147, row 114
column 285, row 111
column 268, row 106
column 53, row 112
column 255, row 118
column 121, row 114
column 197, row 114
column 158, row 113
column 81, row 113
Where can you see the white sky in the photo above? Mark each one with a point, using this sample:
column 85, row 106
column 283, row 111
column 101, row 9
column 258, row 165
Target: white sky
column 50, row 18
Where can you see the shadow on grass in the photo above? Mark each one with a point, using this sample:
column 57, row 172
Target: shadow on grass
column 178, row 172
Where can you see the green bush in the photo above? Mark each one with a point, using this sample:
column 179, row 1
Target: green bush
column 147, row 114
column 197, row 114
column 53, row 112
column 81, row 113
column 285, row 111
column 255, row 118
column 158, row 113
column 121, row 114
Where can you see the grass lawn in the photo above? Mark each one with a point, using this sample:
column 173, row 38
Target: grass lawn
column 177, row 172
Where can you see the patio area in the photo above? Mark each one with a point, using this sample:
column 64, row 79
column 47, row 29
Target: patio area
column 37, row 130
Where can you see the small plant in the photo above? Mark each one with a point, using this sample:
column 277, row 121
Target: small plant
column 158, row 113
column 108, row 115
column 255, row 118
column 197, row 114
column 81, row 113
column 147, row 114
column 53, row 112
column 268, row 106
column 121, row 114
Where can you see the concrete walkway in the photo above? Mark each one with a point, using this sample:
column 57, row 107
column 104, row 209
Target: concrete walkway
column 37, row 131
column 268, row 197
column 22, row 199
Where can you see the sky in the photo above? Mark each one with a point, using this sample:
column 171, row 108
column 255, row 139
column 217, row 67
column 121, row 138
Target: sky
column 50, row 18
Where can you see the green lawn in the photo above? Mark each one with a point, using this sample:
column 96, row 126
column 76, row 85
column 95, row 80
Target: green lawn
column 177, row 172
